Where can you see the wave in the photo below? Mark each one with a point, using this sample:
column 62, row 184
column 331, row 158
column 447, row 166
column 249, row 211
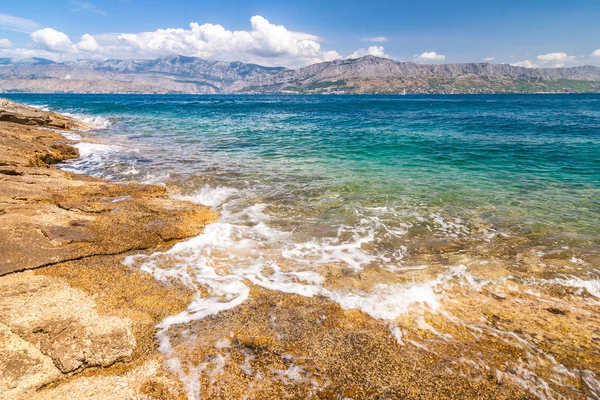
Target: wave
column 95, row 121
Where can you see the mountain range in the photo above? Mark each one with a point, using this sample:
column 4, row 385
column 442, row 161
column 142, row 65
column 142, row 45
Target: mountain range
column 369, row 74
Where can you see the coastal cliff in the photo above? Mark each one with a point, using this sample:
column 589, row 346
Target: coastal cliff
column 70, row 312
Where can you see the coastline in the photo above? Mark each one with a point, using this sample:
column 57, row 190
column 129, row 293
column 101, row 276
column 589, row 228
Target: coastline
column 70, row 311
column 275, row 343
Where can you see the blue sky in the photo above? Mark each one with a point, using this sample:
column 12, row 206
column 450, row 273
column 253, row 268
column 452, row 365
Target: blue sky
column 546, row 33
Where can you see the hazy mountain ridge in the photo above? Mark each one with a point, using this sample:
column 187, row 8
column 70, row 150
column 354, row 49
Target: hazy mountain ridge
column 178, row 74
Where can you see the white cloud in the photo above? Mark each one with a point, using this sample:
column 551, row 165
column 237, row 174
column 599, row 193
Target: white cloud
column 488, row 59
column 21, row 53
column 17, row 24
column 524, row 64
column 52, row 40
column 86, row 6
column 429, row 56
column 377, row 51
column 265, row 43
column 88, row 44
column 596, row 53
column 5, row 44
column 550, row 60
column 553, row 57
column 376, row 39
column 556, row 59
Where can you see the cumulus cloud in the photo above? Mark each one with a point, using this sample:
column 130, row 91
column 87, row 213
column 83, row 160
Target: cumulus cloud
column 5, row 44
column 17, row 24
column 264, row 43
column 524, row 64
column 596, row 53
column 52, row 40
column 556, row 59
column 488, row 59
column 550, row 60
column 87, row 44
column 376, row 39
column 429, row 56
column 377, row 51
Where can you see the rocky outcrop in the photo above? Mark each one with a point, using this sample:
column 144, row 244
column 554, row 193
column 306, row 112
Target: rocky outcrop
column 11, row 111
column 81, row 310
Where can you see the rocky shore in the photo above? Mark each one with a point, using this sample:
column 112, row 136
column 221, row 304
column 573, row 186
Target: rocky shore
column 74, row 322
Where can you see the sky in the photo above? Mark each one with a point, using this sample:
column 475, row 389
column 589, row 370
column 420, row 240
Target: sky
column 530, row 33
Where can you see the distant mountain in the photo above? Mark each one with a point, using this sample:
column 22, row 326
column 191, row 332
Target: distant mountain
column 179, row 74
column 25, row 61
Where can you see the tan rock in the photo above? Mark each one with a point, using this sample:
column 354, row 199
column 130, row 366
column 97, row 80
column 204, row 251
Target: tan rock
column 85, row 309
column 23, row 367
column 17, row 113
column 144, row 382
column 49, row 216
column 63, row 322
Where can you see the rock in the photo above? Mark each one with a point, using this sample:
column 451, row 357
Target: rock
column 84, row 309
column 48, row 216
column 63, row 323
column 11, row 111
column 23, row 367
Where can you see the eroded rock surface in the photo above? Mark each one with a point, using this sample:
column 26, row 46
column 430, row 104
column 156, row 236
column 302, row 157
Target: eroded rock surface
column 82, row 325
column 48, row 216
column 17, row 113
column 62, row 322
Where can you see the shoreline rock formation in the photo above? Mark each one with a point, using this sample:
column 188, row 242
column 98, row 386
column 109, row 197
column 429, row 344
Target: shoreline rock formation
column 75, row 323
column 81, row 313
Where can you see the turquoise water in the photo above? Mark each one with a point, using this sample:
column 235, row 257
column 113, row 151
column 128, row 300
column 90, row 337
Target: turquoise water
column 527, row 164
column 398, row 206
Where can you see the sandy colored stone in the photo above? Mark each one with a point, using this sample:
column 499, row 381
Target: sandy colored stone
column 23, row 367
column 63, row 322
column 146, row 381
column 49, row 216
column 82, row 325
column 17, row 113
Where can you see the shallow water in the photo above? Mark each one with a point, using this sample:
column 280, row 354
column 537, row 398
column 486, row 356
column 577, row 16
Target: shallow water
column 412, row 209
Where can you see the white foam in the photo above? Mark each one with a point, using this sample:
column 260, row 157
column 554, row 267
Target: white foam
column 388, row 302
column 43, row 107
column 87, row 149
column 95, row 121
column 333, row 250
column 592, row 285
column 210, row 197
column 71, row 135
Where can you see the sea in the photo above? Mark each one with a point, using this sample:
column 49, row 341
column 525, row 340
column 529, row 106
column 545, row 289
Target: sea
column 429, row 214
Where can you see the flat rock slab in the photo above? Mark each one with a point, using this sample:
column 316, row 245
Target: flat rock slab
column 23, row 367
column 62, row 322
column 49, row 216
column 17, row 113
